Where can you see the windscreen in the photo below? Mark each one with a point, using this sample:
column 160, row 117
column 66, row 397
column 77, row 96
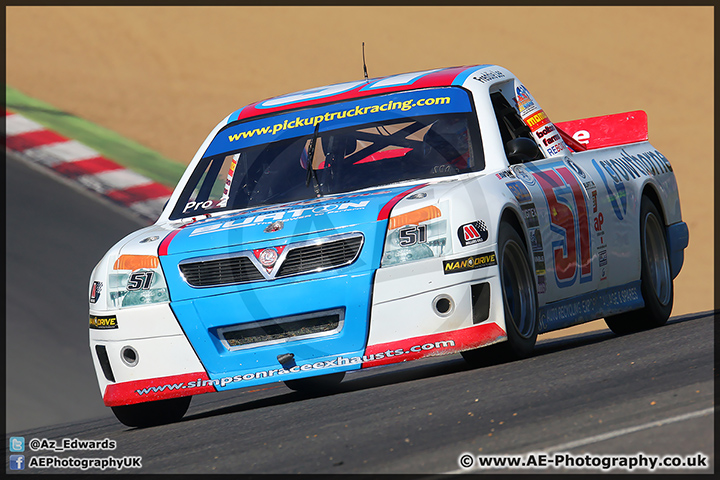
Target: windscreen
column 335, row 148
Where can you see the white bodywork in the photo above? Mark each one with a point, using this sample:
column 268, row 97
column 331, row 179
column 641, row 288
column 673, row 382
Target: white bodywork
column 404, row 296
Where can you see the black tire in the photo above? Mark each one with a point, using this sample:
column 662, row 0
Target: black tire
column 656, row 282
column 319, row 384
column 517, row 278
column 150, row 414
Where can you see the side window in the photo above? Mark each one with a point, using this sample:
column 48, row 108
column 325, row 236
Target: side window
column 511, row 127
column 509, row 121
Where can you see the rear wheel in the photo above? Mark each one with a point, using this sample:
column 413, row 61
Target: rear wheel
column 150, row 414
column 655, row 277
column 319, row 384
column 519, row 299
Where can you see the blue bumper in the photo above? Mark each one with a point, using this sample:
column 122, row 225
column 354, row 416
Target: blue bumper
column 202, row 318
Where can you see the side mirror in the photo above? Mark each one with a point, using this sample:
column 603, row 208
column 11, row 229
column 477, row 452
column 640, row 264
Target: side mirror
column 521, row 150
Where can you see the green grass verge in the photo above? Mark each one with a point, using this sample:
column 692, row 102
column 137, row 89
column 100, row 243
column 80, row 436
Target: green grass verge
column 125, row 152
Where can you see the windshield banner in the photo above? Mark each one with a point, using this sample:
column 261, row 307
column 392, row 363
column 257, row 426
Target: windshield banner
column 299, row 123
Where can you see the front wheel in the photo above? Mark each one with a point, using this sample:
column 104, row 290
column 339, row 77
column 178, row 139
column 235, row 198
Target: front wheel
column 150, row 414
column 519, row 299
column 656, row 283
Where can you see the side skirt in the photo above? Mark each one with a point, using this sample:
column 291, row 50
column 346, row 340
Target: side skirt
column 590, row 306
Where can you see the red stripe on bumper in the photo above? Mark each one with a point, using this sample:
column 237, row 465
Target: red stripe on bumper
column 149, row 390
column 435, row 345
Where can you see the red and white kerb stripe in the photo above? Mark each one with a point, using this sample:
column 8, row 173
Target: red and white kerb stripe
column 84, row 165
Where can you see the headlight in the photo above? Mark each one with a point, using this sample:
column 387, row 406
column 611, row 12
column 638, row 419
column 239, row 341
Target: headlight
column 416, row 235
column 136, row 280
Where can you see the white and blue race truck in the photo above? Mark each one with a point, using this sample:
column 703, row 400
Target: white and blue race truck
column 380, row 221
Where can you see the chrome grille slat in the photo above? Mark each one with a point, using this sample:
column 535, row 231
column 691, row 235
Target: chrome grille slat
column 304, row 257
column 220, row 272
column 313, row 257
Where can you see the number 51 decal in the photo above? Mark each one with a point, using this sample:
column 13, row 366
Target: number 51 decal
column 140, row 280
column 569, row 219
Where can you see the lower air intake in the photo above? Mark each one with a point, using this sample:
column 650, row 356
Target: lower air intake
column 278, row 330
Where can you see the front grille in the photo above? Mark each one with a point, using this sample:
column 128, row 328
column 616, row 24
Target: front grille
column 222, row 271
column 303, row 257
column 281, row 329
column 320, row 257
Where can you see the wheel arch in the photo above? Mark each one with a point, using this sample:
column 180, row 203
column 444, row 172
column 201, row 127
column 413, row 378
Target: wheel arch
column 512, row 217
column 649, row 190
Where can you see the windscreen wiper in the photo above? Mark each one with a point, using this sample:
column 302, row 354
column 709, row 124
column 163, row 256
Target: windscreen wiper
column 310, row 170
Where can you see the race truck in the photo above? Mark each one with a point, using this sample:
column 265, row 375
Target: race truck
column 380, row 221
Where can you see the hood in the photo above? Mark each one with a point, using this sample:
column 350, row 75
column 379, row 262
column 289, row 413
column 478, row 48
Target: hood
column 278, row 223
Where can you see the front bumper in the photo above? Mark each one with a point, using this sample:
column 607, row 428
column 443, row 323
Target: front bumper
column 392, row 315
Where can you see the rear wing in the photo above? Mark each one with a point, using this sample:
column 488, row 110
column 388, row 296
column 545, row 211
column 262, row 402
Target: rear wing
column 604, row 131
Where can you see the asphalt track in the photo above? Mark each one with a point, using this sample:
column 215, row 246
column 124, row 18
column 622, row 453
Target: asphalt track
column 596, row 393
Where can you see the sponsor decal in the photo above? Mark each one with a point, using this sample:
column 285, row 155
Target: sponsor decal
column 548, row 130
column 602, row 261
column 505, row 174
column 536, row 240
column 522, row 173
column 432, row 345
column 627, row 167
column 550, row 140
column 616, row 193
column 541, row 286
column 472, row 233
column 599, row 222
column 602, row 257
column 525, row 101
column 338, row 115
column 520, row 191
column 103, row 323
column 590, row 306
column 537, row 121
column 284, row 216
column 575, row 168
column 535, row 118
column 469, row 263
column 539, row 258
column 489, row 75
column 136, row 391
column 95, row 291
column 530, row 214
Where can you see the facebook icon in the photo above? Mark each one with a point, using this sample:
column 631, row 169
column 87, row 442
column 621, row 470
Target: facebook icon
column 17, row 462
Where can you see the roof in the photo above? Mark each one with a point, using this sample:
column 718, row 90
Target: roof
column 441, row 77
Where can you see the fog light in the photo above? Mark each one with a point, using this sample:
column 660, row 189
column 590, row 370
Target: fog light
column 443, row 305
column 129, row 356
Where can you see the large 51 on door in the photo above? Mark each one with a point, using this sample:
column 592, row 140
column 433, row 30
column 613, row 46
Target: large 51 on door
column 569, row 219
